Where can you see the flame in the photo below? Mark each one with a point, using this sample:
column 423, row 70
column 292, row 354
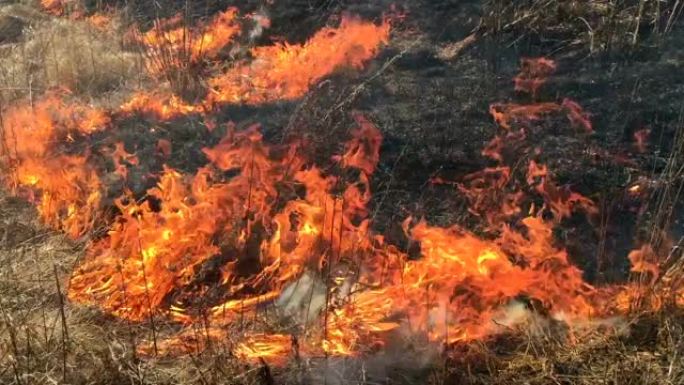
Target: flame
column 54, row 7
column 507, row 114
column 279, row 72
column 139, row 263
column 172, row 44
column 257, row 217
column 66, row 187
column 577, row 116
column 162, row 106
column 363, row 151
column 561, row 201
column 122, row 160
column 100, row 21
column 286, row 71
column 644, row 260
column 264, row 346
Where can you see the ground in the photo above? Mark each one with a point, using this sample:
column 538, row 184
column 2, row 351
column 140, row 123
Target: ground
column 619, row 61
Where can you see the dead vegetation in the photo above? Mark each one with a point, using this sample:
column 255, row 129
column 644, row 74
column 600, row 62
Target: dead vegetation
column 49, row 52
column 46, row 340
column 596, row 27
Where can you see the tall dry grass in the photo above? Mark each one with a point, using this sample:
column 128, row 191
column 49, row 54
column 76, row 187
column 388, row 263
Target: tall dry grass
column 72, row 54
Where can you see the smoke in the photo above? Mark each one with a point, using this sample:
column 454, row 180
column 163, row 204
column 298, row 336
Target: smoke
column 303, row 299
column 406, row 352
column 261, row 22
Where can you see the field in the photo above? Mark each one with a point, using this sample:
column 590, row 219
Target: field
column 341, row 191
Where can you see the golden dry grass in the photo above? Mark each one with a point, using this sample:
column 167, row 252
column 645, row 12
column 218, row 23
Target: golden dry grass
column 58, row 52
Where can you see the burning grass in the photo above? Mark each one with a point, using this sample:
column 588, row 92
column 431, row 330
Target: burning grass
column 39, row 346
column 264, row 262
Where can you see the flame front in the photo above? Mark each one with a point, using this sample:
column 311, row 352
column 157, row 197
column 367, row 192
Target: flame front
column 257, row 217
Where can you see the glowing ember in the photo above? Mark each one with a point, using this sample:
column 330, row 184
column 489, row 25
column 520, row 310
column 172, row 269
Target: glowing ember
column 533, row 74
column 641, row 139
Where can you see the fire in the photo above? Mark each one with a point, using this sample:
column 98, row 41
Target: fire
column 533, row 74
column 160, row 105
column 363, row 151
column 148, row 253
column 170, row 43
column 68, row 192
column 279, row 72
column 641, row 139
column 55, row 7
column 100, row 21
column 561, row 201
column 224, row 242
column 122, row 160
column 644, row 260
column 264, row 346
column 286, row 71
column 577, row 116
column 66, row 187
column 358, row 323
column 131, row 271
column 506, row 115
column 460, row 281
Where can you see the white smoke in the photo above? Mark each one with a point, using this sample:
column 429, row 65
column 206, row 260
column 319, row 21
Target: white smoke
column 407, row 350
column 303, row 299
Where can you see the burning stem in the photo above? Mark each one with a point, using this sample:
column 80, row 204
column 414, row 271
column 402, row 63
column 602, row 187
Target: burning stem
column 147, row 297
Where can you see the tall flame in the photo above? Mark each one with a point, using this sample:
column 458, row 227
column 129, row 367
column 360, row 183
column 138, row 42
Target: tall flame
column 67, row 186
column 286, row 71
column 278, row 72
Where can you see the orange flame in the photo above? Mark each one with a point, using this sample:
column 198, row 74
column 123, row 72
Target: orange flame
column 264, row 346
column 257, row 216
column 172, row 44
column 67, row 187
column 277, row 72
column 161, row 105
column 644, row 260
column 54, row 7
column 285, row 72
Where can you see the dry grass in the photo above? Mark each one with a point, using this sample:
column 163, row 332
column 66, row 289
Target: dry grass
column 57, row 52
column 599, row 26
column 45, row 340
